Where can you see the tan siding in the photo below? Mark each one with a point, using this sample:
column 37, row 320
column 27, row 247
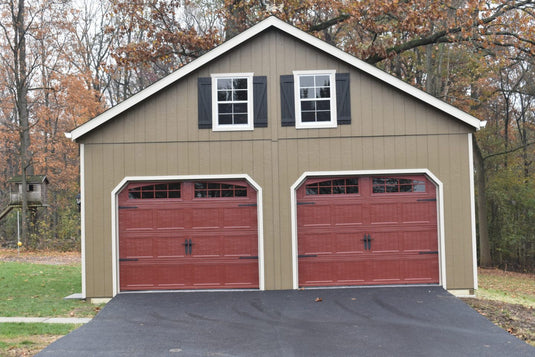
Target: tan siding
column 389, row 130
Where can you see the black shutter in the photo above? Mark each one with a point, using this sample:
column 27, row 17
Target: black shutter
column 260, row 101
column 287, row 100
column 205, row 102
column 343, row 99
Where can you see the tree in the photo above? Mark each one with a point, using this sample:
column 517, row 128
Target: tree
column 15, row 28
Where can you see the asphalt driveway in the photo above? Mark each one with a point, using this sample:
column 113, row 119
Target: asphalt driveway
column 407, row 321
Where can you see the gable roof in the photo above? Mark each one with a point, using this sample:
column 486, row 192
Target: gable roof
column 299, row 35
column 29, row 179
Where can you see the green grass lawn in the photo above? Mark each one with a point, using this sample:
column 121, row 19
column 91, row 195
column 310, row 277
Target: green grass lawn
column 38, row 290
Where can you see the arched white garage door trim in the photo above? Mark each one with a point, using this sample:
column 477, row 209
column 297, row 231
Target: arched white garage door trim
column 428, row 173
column 129, row 179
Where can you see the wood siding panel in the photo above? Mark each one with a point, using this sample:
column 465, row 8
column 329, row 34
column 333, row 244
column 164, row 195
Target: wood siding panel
column 389, row 130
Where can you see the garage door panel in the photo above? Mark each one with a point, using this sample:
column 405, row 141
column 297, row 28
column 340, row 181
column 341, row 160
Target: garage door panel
column 206, row 246
column 418, row 212
column 186, row 242
column 238, row 217
column 386, row 270
column 353, row 271
column 172, row 246
column 170, row 276
column 241, row 275
column 383, row 242
column 136, row 276
column 314, row 215
column 421, row 270
column 387, row 234
column 316, row 273
column 348, row 214
column 420, row 241
column 136, row 248
column 136, row 219
column 349, row 242
column 236, row 274
column 203, row 217
column 384, row 213
column 171, row 218
column 244, row 245
column 318, row 243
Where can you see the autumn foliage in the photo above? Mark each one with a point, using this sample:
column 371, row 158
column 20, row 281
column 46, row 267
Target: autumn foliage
column 85, row 56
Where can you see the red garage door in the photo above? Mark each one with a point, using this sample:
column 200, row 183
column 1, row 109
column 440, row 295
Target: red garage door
column 188, row 235
column 367, row 231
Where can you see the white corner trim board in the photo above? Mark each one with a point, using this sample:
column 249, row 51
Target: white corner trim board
column 273, row 22
column 128, row 179
column 472, row 209
column 428, row 173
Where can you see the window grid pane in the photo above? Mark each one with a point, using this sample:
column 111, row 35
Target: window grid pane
column 158, row 191
column 345, row 186
column 315, row 95
column 232, row 100
column 216, row 190
column 397, row 185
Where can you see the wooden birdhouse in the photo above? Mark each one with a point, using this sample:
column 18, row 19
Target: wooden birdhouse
column 36, row 188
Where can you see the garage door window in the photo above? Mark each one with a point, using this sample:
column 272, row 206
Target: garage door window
column 334, row 187
column 397, row 185
column 156, row 191
column 215, row 190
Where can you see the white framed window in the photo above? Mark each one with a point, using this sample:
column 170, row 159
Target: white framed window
column 232, row 101
column 315, row 99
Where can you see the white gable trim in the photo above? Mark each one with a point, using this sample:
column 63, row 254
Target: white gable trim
column 298, row 34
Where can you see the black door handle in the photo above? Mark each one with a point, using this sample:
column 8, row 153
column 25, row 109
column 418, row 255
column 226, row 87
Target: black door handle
column 188, row 246
column 367, row 241
column 185, row 244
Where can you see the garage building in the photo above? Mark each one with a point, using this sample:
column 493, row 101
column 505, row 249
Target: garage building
column 276, row 161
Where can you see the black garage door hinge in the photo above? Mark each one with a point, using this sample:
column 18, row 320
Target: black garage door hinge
column 127, row 207
column 247, row 205
column 429, row 252
column 128, row 259
column 251, row 257
column 306, row 203
column 427, row 200
column 307, row 255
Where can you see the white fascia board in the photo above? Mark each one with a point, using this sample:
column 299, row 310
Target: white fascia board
column 298, row 34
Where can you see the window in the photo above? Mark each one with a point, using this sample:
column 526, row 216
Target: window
column 207, row 90
column 212, row 189
column 232, row 105
column 315, row 99
column 334, row 187
column 397, row 185
column 157, row 191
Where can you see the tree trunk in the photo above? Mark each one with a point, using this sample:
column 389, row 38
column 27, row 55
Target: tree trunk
column 21, row 79
column 485, row 259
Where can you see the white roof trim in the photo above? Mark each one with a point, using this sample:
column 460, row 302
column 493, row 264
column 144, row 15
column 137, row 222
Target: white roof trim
column 298, row 34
